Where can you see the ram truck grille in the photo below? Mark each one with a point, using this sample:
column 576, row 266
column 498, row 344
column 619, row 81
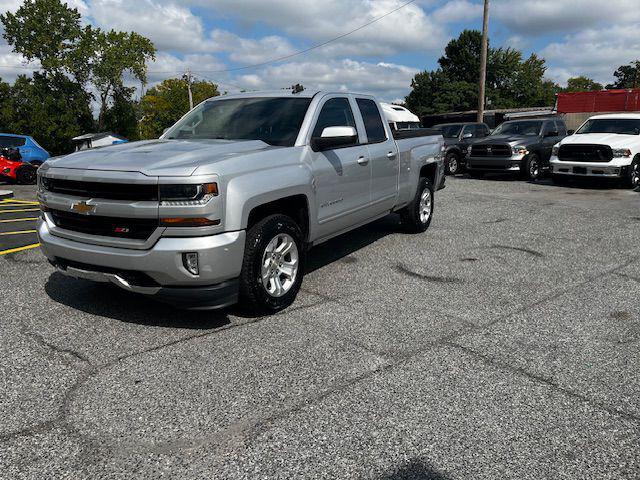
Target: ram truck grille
column 110, row 191
column 133, row 228
column 483, row 150
column 585, row 153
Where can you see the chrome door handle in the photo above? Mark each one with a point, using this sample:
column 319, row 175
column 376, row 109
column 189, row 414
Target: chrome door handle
column 391, row 155
column 363, row 160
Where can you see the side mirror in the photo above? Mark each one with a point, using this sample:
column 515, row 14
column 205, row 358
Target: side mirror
column 551, row 134
column 467, row 135
column 570, row 132
column 334, row 137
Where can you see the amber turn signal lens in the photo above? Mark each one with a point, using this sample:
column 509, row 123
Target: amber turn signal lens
column 188, row 222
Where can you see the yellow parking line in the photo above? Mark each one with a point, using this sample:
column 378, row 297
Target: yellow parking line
column 19, row 220
column 19, row 232
column 19, row 249
column 20, row 202
column 22, row 210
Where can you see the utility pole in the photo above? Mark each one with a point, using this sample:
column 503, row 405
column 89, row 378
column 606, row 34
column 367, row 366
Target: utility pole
column 188, row 77
column 483, row 61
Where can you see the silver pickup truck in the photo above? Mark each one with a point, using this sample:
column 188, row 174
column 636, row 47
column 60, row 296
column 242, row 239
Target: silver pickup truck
column 223, row 207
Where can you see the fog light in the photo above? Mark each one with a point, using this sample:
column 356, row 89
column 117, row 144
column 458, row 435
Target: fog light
column 190, row 261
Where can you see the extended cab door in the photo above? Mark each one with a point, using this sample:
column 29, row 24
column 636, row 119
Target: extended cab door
column 342, row 175
column 383, row 154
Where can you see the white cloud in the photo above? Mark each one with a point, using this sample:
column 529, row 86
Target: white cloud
column 594, row 52
column 13, row 64
column 250, row 51
column 458, row 11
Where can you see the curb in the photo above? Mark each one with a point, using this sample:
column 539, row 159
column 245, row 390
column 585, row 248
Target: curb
column 5, row 194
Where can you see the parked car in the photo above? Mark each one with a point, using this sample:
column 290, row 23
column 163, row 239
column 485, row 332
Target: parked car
column 605, row 146
column 223, row 206
column 518, row 146
column 399, row 117
column 30, row 151
column 457, row 138
column 17, row 171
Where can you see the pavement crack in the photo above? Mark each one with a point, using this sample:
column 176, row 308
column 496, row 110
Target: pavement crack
column 40, row 340
column 491, row 361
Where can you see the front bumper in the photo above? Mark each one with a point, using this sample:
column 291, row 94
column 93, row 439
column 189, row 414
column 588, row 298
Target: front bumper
column 611, row 169
column 495, row 164
column 158, row 272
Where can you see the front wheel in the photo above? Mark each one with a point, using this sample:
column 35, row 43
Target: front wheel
column 416, row 217
column 273, row 265
column 533, row 167
column 633, row 175
column 452, row 162
column 26, row 175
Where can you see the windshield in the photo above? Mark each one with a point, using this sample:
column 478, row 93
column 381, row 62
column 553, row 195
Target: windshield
column 449, row 131
column 275, row 121
column 622, row 126
column 529, row 128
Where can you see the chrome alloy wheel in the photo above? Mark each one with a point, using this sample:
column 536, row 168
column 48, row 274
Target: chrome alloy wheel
column 425, row 205
column 635, row 174
column 279, row 265
column 534, row 169
column 453, row 165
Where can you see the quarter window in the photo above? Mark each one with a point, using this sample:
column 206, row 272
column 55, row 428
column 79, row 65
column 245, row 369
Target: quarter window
column 12, row 142
column 372, row 121
column 336, row 112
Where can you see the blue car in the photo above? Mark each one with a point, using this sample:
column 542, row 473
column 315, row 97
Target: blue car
column 29, row 149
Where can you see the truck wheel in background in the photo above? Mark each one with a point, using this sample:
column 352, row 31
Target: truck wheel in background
column 26, row 175
column 273, row 265
column 633, row 175
column 416, row 217
column 452, row 163
column 533, row 167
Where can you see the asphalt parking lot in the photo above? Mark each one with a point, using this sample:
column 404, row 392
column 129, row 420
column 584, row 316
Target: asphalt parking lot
column 18, row 218
column 502, row 343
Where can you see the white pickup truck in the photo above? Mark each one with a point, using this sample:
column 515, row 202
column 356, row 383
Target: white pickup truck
column 605, row 146
column 224, row 205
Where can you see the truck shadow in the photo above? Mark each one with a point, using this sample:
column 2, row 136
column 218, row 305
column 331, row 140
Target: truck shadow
column 112, row 302
column 415, row 469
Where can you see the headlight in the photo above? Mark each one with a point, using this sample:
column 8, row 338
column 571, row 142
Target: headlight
column 555, row 150
column 520, row 150
column 187, row 195
column 621, row 152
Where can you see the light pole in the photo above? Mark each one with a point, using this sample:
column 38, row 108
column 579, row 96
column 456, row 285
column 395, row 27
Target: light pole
column 483, row 61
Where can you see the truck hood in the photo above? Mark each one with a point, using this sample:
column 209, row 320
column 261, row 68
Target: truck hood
column 158, row 157
column 614, row 140
column 512, row 140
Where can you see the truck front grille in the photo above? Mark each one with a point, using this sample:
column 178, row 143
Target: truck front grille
column 585, row 153
column 490, row 150
column 110, row 191
column 134, row 228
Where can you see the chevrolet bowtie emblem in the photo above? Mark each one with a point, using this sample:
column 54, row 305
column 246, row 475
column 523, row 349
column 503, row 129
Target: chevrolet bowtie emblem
column 83, row 207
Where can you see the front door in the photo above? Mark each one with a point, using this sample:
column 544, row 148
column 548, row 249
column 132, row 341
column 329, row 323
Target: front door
column 342, row 175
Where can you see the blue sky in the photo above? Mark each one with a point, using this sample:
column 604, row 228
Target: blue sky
column 577, row 37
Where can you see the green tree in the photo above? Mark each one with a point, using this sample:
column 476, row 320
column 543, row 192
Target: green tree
column 164, row 104
column 51, row 108
column 117, row 54
column 511, row 80
column 44, row 30
column 6, row 116
column 627, row 76
column 122, row 115
column 582, row 84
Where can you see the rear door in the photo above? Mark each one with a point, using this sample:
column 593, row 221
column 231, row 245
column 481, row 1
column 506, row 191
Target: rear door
column 342, row 175
column 383, row 153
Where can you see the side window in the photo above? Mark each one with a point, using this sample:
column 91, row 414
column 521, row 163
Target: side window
column 561, row 128
column 372, row 120
column 12, row 142
column 336, row 112
column 469, row 129
column 482, row 131
column 548, row 127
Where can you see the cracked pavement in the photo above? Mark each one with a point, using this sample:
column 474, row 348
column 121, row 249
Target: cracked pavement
column 502, row 343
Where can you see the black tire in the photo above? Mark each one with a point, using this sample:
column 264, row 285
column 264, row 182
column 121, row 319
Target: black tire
column 632, row 179
column 559, row 179
column 452, row 163
column 254, row 296
column 533, row 167
column 26, row 175
column 412, row 219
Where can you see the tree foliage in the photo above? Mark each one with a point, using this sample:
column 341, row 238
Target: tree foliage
column 627, row 76
column 582, row 84
column 511, row 80
column 164, row 104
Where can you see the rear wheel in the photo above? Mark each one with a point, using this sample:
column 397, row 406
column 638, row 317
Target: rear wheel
column 416, row 217
column 273, row 265
column 26, row 174
column 452, row 162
